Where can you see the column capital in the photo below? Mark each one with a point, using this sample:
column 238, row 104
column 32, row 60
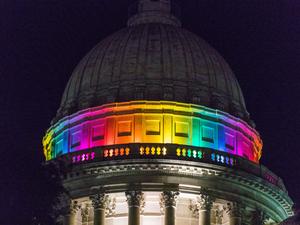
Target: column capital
column 234, row 209
column 134, row 198
column 205, row 200
column 72, row 207
column 99, row 200
column 169, row 198
column 66, row 205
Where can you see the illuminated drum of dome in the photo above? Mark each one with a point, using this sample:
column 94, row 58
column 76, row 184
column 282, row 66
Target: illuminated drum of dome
column 153, row 129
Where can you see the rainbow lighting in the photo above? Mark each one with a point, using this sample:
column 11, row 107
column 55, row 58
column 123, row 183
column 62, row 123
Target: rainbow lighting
column 190, row 127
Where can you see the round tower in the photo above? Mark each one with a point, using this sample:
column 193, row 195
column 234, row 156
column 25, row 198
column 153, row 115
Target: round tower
column 153, row 129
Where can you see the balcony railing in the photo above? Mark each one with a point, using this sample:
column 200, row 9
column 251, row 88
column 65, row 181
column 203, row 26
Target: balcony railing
column 171, row 152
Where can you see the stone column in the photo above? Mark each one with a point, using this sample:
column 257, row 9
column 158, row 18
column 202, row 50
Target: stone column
column 70, row 213
column 204, row 205
column 99, row 202
column 134, row 199
column 235, row 213
column 169, row 199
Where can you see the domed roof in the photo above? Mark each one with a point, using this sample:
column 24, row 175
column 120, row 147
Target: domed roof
column 153, row 61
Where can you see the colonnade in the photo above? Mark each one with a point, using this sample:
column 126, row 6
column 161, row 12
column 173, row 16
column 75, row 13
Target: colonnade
column 202, row 207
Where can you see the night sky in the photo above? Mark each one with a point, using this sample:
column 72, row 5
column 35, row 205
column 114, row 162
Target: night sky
column 41, row 41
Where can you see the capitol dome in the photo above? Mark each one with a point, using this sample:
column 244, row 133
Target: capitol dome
column 153, row 129
column 153, row 61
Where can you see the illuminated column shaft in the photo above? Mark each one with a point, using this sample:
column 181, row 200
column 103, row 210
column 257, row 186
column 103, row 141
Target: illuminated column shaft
column 204, row 217
column 235, row 214
column 134, row 199
column 70, row 213
column 204, row 205
column 99, row 202
column 169, row 200
column 70, row 219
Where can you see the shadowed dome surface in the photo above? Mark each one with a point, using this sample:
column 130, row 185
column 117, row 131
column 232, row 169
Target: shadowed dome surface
column 153, row 61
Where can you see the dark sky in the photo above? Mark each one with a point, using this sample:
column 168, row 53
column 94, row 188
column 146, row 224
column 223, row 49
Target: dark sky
column 41, row 41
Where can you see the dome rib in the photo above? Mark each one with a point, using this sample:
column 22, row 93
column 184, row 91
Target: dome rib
column 85, row 79
column 224, row 74
column 190, row 66
column 98, row 73
column 167, row 62
column 141, row 55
